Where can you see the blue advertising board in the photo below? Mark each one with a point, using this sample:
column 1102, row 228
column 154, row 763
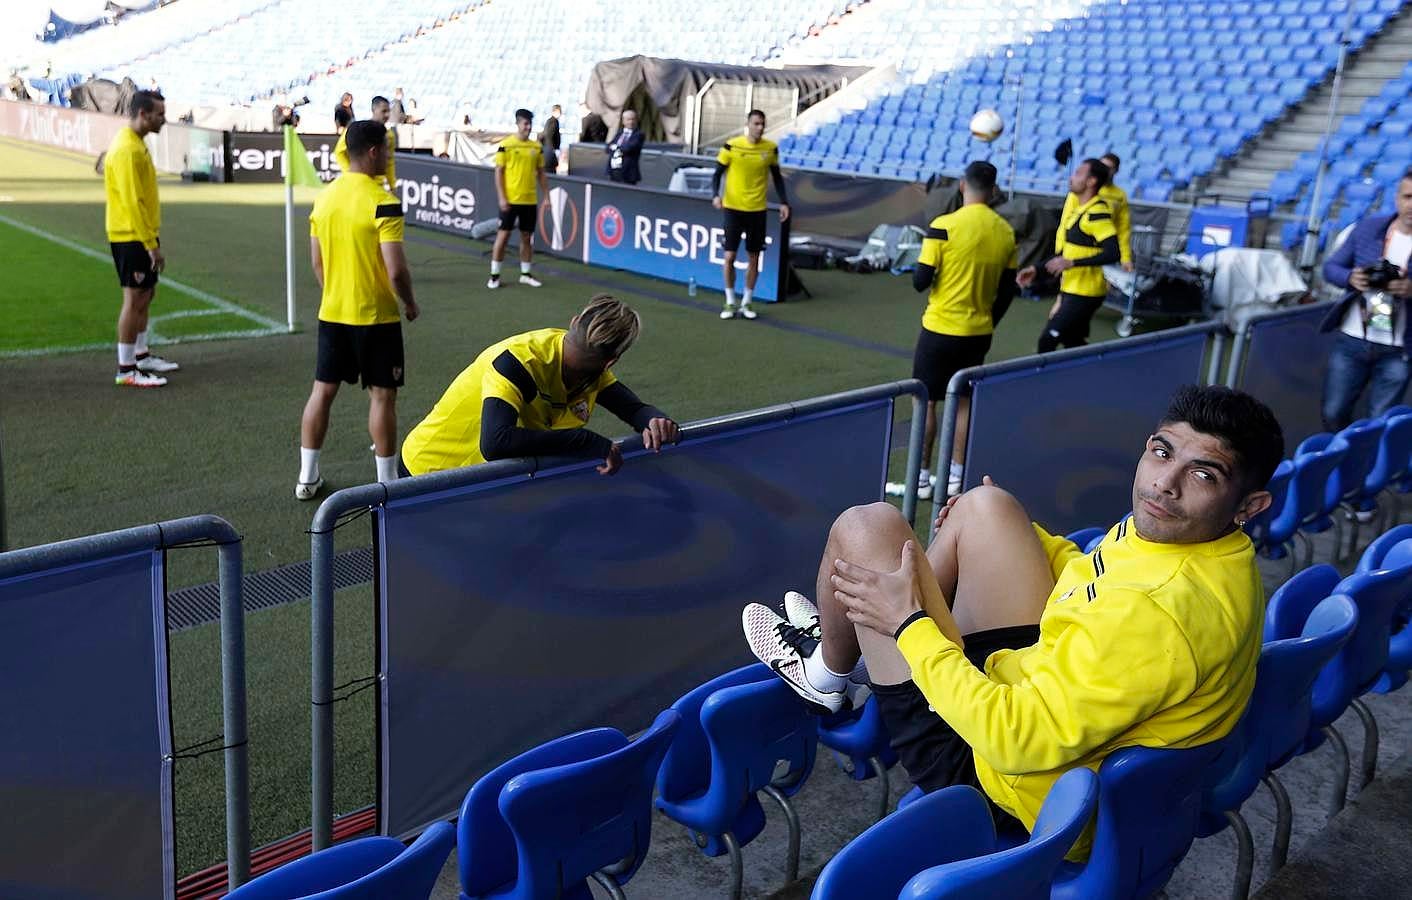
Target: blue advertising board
column 672, row 236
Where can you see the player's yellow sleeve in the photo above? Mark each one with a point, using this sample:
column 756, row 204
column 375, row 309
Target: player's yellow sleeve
column 1098, row 222
column 1122, row 221
column 390, row 221
column 493, row 384
column 1099, row 679
column 1069, row 202
column 500, row 158
column 1057, row 549
column 340, row 152
column 724, row 156
column 128, row 185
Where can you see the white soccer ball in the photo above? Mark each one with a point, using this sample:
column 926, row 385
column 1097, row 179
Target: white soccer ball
column 986, row 125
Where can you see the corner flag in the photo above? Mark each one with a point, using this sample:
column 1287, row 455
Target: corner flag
column 297, row 170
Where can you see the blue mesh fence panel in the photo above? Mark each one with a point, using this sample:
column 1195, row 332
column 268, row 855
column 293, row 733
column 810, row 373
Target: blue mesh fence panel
column 519, row 610
column 1065, row 437
column 85, row 784
column 1284, row 367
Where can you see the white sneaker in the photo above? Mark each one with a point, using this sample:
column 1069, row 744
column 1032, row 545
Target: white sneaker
column 898, row 489
column 492, row 283
column 307, row 490
column 138, row 378
column 748, row 313
column 531, row 281
column 782, row 647
column 153, row 363
column 728, row 312
column 953, row 485
column 802, row 613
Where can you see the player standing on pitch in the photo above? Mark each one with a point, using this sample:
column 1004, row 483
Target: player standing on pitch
column 744, row 162
column 355, row 239
column 133, row 218
column 519, row 170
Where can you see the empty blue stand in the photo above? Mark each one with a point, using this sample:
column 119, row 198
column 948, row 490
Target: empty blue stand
column 1273, row 730
column 944, row 847
column 371, row 868
column 735, row 729
column 575, row 808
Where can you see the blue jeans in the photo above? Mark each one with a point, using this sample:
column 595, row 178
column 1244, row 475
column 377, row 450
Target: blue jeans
column 1355, row 364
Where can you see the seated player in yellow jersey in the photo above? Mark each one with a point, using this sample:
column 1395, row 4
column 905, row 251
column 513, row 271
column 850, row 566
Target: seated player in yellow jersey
column 1004, row 656
column 381, row 113
column 1085, row 242
column 519, row 180
column 534, row 393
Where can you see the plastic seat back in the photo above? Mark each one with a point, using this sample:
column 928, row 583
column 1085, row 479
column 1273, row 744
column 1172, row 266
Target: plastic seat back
column 486, row 850
column 412, row 875
column 1260, row 528
column 1394, row 454
column 365, row 869
column 1378, row 596
column 572, row 820
column 860, row 735
column 1087, row 538
column 1024, row 872
column 686, row 770
column 1314, row 487
column 1148, row 804
column 1376, row 553
column 941, row 827
column 1363, row 439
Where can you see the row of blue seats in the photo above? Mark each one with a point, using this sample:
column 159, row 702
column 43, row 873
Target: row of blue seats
column 1328, row 642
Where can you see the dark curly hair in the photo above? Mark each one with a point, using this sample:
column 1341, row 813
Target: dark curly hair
column 1247, row 426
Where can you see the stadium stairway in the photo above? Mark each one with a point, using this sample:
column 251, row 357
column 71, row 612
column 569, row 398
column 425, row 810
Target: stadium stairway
column 1381, row 58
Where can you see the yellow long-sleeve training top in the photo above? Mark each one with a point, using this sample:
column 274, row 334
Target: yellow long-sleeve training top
column 1139, row 644
column 130, row 182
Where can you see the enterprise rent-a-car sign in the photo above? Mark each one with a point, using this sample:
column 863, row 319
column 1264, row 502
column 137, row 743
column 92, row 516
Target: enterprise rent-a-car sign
column 667, row 235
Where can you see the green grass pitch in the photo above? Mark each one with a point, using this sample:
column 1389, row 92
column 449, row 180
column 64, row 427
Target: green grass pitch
column 82, row 456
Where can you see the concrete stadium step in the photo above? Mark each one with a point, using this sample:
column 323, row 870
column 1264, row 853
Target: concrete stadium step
column 1365, row 73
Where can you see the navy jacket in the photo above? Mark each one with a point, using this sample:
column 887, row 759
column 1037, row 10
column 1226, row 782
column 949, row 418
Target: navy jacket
column 1363, row 248
column 631, row 150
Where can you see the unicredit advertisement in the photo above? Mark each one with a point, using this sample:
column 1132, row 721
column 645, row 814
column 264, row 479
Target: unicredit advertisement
column 676, row 237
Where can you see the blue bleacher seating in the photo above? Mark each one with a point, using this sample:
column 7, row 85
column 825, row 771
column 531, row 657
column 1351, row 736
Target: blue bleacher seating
column 359, row 870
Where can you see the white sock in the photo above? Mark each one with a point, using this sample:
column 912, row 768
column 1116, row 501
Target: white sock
column 141, row 344
column 745, row 298
column 494, row 268
column 127, row 355
column 957, row 470
column 730, row 296
column 308, row 465
column 387, row 468
column 924, row 477
column 821, row 676
column 525, row 268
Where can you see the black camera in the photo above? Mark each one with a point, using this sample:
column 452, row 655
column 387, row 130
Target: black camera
column 1381, row 273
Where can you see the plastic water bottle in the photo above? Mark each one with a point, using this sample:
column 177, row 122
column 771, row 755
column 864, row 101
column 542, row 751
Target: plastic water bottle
column 691, row 287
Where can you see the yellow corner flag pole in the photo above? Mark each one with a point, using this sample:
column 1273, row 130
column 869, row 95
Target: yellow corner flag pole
column 297, row 170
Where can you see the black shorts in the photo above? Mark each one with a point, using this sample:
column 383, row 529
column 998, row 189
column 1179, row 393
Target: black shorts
column 525, row 214
column 750, row 224
column 939, row 356
column 933, row 754
column 134, row 265
column 1070, row 324
column 372, row 352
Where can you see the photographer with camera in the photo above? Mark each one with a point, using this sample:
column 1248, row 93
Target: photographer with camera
column 1371, row 348
column 286, row 112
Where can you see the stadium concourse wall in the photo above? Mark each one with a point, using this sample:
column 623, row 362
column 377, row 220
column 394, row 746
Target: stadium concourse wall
column 86, row 756
column 521, row 599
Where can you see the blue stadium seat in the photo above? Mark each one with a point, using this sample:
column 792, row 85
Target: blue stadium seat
column 363, row 869
column 1394, row 550
column 515, row 840
column 1286, row 186
column 1259, row 528
column 861, row 746
column 943, row 846
column 1273, row 729
column 734, row 730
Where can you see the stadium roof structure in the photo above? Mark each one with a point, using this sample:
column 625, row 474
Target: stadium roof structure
column 658, row 88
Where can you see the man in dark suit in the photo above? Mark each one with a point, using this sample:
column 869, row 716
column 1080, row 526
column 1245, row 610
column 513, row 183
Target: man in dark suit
column 592, row 130
column 549, row 139
column 624, row 149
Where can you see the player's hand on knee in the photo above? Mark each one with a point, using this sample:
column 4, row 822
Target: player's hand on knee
column 613, row 462
column 881, row 600
column 945, row 511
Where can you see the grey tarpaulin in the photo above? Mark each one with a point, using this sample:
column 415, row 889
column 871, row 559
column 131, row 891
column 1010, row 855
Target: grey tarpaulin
column 104, row 96
column 656, row 88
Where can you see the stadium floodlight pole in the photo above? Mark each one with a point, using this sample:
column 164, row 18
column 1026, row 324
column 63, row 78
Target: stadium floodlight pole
column 289, row 253
column 1311, row 231
column 1015, row 132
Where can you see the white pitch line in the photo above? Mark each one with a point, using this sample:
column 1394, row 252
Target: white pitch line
column 225, row 305
column 156, row 341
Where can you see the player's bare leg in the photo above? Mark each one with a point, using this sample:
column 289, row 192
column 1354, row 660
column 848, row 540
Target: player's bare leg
column 497, row 256
column 728, row 280
column 313, row 427
column 752, row 274
column 527, row 259
column 132, row 343
column 382, row 420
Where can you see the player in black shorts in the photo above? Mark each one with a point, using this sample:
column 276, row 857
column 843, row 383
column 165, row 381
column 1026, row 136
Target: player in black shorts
column 519, row 181
column 743, row 164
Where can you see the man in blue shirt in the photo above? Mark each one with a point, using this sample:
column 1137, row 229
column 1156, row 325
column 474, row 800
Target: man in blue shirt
column 1374, row 328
